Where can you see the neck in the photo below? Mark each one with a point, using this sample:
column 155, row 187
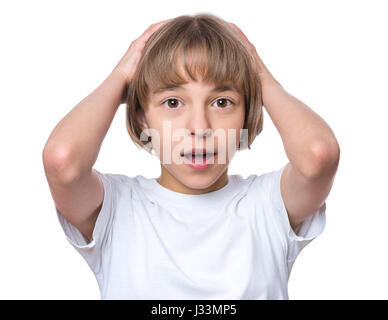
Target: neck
column 168, row 181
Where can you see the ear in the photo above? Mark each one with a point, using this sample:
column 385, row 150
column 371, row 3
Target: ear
column 141, row 119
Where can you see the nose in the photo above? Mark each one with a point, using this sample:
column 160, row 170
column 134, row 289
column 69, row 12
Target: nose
column 198, row 124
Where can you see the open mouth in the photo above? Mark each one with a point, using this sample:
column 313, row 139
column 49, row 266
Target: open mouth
column 199, row 157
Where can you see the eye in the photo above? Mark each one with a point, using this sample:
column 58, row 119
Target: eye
column 171, row 105
column 223, row 104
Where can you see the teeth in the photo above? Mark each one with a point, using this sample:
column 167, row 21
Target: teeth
column 199, row 156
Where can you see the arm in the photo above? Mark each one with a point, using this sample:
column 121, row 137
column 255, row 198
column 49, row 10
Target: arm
column 75, row 141
column 308, row 141
column 73, row 146
column 310, row 146
column 72, row 149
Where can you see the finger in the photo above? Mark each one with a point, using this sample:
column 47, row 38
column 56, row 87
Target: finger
column 151, row 29
column 238, row 30
column 139, row 43
column 142, row 40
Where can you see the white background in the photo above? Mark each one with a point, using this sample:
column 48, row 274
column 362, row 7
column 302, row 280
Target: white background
column 332, row 55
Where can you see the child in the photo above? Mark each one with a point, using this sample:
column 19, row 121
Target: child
column 195, row 232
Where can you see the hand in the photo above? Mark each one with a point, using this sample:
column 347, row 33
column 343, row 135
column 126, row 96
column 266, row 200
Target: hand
column 261, row 68
column 127, row 64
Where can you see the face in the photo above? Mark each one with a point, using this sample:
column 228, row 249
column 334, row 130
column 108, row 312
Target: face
column 196, row 116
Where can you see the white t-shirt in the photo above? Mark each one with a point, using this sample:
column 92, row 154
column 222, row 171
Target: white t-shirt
column 150, row 242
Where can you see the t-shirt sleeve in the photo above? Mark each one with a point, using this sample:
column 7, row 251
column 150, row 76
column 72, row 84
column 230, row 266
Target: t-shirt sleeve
column 310, row 228
column 91, row 251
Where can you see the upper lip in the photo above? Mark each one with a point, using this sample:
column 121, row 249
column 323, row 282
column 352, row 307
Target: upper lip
column 198, row 151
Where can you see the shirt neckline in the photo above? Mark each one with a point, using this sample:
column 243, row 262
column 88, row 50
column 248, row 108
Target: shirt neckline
column 193, row 201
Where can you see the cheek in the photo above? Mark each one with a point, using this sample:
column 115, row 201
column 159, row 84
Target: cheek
column 233, row 131
column 168, row 140
column 155, row 130
column 232, row 127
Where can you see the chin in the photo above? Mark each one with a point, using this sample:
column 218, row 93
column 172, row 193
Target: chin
column 201, row 179
column 198, row 184
column 194, row 179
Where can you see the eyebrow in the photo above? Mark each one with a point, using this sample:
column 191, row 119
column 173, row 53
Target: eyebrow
column 224, row 87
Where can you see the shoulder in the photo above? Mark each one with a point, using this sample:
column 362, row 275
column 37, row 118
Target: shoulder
column 122, row 184
column 263, row 183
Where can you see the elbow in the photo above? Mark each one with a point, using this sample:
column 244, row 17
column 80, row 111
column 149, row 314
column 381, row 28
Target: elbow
column 58, row 165
column 324, row 159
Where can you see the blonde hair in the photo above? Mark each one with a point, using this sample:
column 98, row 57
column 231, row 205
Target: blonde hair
column 211, row 51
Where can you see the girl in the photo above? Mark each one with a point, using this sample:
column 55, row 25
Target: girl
column 195, row 232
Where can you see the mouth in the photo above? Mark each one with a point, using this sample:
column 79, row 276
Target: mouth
column 199, row 157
